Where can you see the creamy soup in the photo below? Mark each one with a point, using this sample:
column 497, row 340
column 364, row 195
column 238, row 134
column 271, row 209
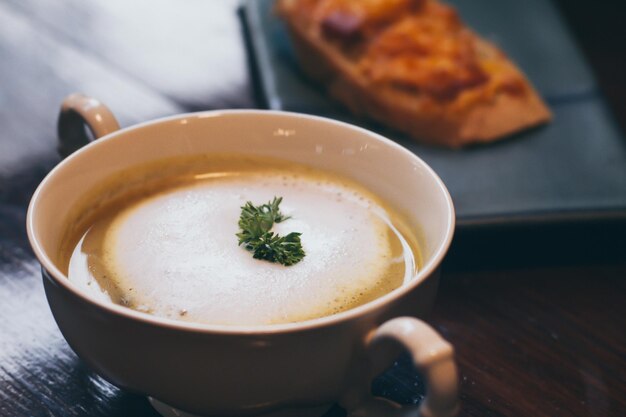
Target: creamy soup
column 167, row 245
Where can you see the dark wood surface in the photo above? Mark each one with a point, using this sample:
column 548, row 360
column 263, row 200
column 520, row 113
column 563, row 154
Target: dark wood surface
column 539, row 330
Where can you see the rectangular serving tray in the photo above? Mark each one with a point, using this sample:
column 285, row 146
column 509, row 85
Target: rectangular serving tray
column 572, row 170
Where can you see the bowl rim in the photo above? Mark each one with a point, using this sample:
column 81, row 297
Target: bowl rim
column 326, row 321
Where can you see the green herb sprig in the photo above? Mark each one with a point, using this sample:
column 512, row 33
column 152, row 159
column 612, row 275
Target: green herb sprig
column 256, row 222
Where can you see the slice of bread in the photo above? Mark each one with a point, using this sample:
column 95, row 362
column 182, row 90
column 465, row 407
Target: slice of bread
column 484, row 99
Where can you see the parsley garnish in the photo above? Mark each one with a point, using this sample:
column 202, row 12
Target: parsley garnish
column 255, row 224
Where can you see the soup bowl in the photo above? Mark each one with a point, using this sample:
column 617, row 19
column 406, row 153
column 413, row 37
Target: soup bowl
column 210, row 370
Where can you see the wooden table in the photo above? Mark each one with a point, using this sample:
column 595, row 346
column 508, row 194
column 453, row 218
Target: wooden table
column 539, row 328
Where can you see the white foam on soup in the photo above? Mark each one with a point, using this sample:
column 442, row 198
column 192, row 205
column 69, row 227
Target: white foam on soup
column 175, row 254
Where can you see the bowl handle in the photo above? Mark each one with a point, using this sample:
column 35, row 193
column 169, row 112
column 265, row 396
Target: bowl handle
column 434, row 359
column 77, row 112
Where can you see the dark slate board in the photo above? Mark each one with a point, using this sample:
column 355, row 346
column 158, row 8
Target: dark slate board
column 573, row 168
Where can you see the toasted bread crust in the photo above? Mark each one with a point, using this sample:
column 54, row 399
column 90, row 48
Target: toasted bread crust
column 409, row 112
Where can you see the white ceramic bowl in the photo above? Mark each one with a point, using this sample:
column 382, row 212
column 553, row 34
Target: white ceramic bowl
column 240, row 370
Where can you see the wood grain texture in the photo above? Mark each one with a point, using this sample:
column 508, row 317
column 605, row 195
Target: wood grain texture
column 531, row 341
column 540, row 342
column 38, row 70
column 191, row 53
